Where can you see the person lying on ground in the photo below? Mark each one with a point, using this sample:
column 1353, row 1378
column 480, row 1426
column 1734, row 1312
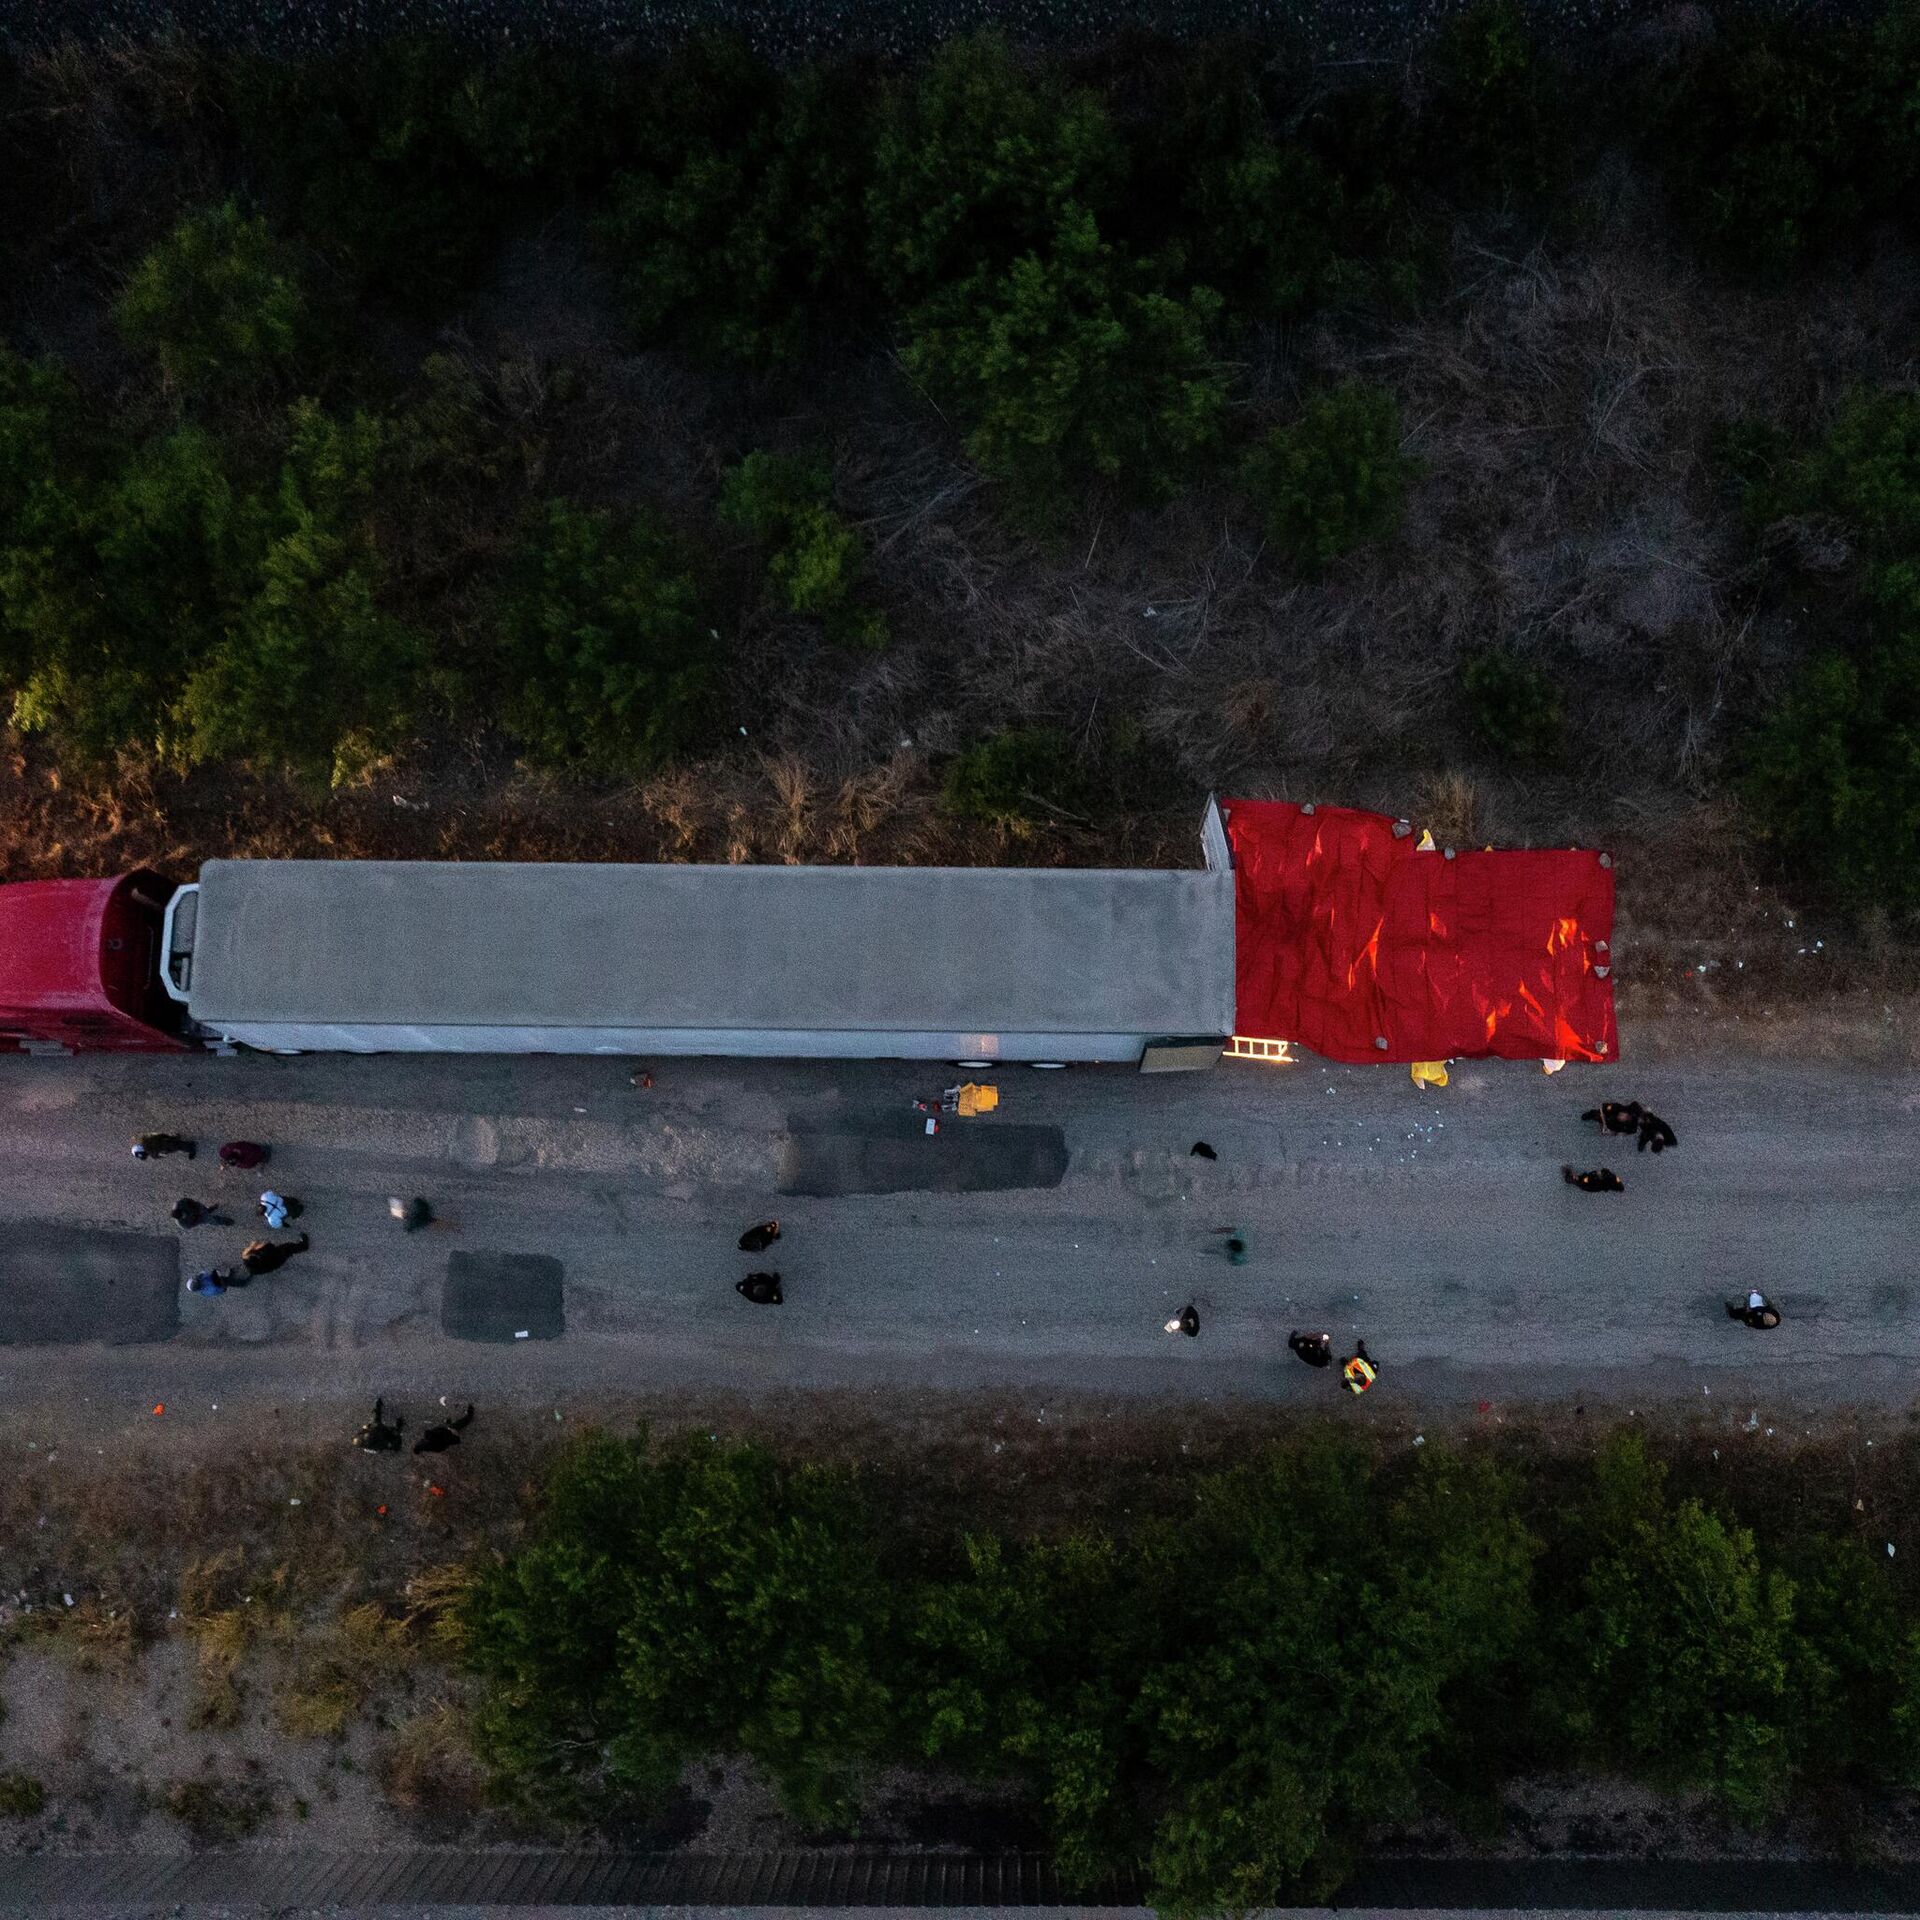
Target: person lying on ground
column 192, row 1213
column 150, row 1146
column 763, row 1289
column 1614, row 1117
column 1756, row 1311
column 245, row 1155
column 444, row 1433
column 268, row 1256
column 1316, row 1349
column 378, row 1436
column 1655, row 1133
column 1595, row 1180
column 759, row 1239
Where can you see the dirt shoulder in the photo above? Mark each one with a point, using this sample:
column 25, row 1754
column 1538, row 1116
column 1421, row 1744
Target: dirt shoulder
column 227, row 1636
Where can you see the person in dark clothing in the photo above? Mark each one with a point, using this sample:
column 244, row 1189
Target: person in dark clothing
column 268, row 1256
column 1755, row 1311
column 1186, row 1321
column 412, row 1214
column 444, row 1433
column 1655, row 1133
column 1201, row 1151
column 191, row 1213
column 377, row 1436
column 150, row 1146
column 244, row 1154
column 1596, row 1180
column 1611, row 1116
column 759, row 1239
column 763, row 1289
column 1316, row 1349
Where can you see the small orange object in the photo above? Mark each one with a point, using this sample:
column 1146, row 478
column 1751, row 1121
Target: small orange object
column 381, row 1510
column 439, row 1493
column 159, row 1406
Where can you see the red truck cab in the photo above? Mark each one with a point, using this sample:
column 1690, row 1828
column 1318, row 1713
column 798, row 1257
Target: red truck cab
column 80, row 967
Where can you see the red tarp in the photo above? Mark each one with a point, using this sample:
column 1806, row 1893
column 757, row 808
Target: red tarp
column 1347, row 935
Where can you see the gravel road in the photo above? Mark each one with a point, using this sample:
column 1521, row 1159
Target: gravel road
column 1436, row 1226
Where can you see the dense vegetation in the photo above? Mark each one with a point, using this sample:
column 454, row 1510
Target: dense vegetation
column 1316, row 1643
column 261, row 515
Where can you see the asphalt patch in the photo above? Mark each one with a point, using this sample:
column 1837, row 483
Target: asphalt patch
column 888, row 1156
column 500, row 1296
column 69, row 1286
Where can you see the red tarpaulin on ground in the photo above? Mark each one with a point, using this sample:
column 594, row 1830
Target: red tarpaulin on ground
column 1348, row 936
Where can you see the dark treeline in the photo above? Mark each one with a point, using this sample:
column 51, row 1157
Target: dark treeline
column 270, row 545
column 1228, row 1695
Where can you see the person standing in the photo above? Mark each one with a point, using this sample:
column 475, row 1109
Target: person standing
column 276, row 1209
column 377, row 1436
column 1186, row 1321
column 1316, row 1349
column 192, row 1213
column 412, row 1214
column 1756, row 1311
column 151, row 1146
column 763, row 1289
column 1359, row 1372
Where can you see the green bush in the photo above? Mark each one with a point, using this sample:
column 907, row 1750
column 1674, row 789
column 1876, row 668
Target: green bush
column 980, row 161
column 1496, row 121
column 1678, row 1648
column 606, row 660
column 1235, row 1695
column 21, row 1796
column 310, row 672
column 171, row 550
column 1866, row 473
column 1016, row 779
column 740, row 245
column 400, row 162
column 217, row 303
column 816, row 562
column 1322, row 1663
column 699, row 1600
column 1075, row 366
column 1512, row 707
column 1776, row 144
column 1334, row 480
column 1832, row 774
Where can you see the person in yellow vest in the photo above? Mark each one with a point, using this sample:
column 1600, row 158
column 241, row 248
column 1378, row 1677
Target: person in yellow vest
column 1359, row 1373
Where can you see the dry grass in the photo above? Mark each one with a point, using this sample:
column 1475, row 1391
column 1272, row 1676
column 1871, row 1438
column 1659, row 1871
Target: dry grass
column 427, row 1768
column 336, row 1668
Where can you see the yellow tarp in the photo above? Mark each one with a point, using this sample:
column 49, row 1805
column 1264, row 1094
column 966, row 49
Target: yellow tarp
column 974, row 1100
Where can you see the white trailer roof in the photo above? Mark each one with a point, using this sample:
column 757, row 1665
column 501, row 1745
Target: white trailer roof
column 879, row 949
